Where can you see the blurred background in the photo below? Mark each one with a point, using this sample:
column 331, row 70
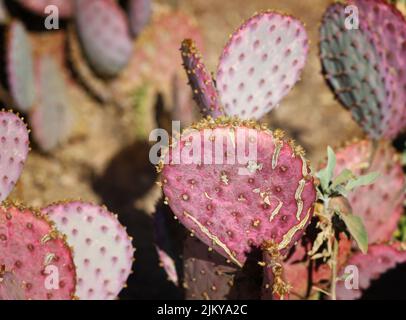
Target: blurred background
column 104, row 159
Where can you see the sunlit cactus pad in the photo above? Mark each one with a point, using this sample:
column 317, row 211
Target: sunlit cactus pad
column 103, row 252
column 35, row 261
column 232, row 207
column 14, row 150
column 260, row 64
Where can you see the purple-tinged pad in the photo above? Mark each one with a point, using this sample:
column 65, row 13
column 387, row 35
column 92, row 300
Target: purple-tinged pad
column 35, row 261
column 14, row 149
column 200, row 80
column 259, row 191
column 260, row 64
column 379, row 259
column 103, row 252
column 20, row 66
column 380, row 204
column 385, row 27
column 105, row 36
column 352, row 68
column 139, row 13
column 206, row 273
column 65, row 7
column 52, row 118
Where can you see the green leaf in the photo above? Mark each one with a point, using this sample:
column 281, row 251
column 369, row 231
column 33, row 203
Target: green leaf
column 356, row 228
column 400, row 233
column 343, row 177
column 325, row 175
column 362, row 181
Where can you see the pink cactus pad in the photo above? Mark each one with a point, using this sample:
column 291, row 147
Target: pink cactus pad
column 35, row 261
column 139, row 14
column 52, row 118
column 379, row 259
column 386, row 29
column 260, row 64
column 259, row 191
column 20, row 66
column 103, row 252
column 380, row 204
column 105, row 36
column 13, row 152
column 204, row 92
column 65, row 7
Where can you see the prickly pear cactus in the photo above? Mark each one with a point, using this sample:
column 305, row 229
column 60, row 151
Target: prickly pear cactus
column 362, row 65
column 139, row 14
column 20, row 66
column 260, row 64
column 52, row 118
column 103, row 251
column 13, row 152
column 35, row 261
column 386, row 27
column 65, row 7
column 379, row 259
column 105, row 36
column 380, row 204
column 204, row 91
column 265, row 198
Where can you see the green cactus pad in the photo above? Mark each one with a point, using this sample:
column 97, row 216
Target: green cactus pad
column 51, row 119
column 20, row 66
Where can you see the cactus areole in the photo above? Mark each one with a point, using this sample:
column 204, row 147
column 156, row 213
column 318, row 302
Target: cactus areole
column 234, row 201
